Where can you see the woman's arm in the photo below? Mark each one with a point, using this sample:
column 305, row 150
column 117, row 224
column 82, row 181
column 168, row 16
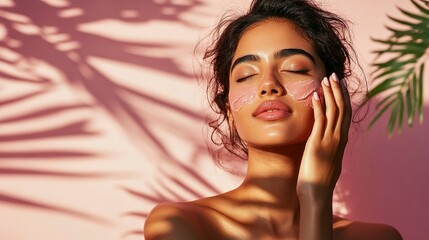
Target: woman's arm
column 321, row 162
column 171, row 221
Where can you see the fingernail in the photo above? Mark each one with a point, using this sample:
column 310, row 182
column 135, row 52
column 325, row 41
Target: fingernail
column 316, row 96
column 334, row 77
column 326, row 81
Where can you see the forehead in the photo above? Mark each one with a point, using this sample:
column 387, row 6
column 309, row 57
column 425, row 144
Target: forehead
column 269, row 36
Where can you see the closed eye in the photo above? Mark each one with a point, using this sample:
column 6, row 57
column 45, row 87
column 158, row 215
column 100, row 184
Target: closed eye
column 302, row 71
column 245, row 78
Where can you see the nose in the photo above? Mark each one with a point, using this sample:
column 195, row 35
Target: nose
column 270, row 86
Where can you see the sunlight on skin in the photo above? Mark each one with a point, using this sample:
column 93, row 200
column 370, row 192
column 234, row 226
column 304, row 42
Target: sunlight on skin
column 162, row 227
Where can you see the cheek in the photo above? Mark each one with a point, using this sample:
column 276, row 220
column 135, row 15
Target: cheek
column 240, row 97
column 303, row 90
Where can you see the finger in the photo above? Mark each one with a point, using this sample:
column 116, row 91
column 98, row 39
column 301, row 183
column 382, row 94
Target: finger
column 347, row 106
column 331, row 106
column 339, row 96
column 319, row 117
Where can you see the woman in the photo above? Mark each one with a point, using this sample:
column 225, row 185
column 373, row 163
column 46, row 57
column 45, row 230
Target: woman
column 278, row 80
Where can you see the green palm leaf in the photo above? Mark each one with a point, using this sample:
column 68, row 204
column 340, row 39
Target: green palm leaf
column 398, row 81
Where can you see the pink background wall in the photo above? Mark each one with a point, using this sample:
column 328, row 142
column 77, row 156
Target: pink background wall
column 101, row 118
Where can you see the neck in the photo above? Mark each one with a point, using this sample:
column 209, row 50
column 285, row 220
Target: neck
column 271, row 181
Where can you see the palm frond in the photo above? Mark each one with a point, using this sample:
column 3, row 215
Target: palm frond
column 399, row 79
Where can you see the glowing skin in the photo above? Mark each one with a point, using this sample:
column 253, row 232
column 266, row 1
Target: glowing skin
column 299, row 91
column 243, row 96
column 302, row 90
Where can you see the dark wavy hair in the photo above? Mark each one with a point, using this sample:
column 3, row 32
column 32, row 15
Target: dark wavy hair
column 328, row 32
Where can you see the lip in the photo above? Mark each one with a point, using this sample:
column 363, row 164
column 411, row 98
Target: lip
column 272, row 110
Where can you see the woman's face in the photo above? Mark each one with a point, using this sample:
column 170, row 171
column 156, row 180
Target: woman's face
column 273, row 75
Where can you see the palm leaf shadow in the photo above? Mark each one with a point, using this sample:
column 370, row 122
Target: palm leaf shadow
column 17, row 201
column 107, row 94
column 171, row 185
column 69, row 129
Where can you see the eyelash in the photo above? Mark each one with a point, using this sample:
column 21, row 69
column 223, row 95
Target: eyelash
column 245, row 78
column 303, row 71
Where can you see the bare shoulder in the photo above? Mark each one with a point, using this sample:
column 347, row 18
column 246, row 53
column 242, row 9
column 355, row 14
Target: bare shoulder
column 171, row 221
column 352, row 230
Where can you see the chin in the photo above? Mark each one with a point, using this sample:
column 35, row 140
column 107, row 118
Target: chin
column 276, row 143
column 276, row 139
column 274, row 134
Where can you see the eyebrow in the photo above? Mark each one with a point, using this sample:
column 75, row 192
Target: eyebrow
column 287, row 52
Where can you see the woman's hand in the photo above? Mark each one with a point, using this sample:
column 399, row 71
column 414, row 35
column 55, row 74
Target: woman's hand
column 321, row 162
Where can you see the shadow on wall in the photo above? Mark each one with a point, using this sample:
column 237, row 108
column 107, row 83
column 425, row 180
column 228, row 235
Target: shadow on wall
column 43, row 49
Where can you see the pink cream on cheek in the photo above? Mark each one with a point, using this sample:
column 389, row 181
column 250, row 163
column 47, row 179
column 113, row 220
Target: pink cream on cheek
column 242, row 96
column 299, row 91
column 303, row 90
